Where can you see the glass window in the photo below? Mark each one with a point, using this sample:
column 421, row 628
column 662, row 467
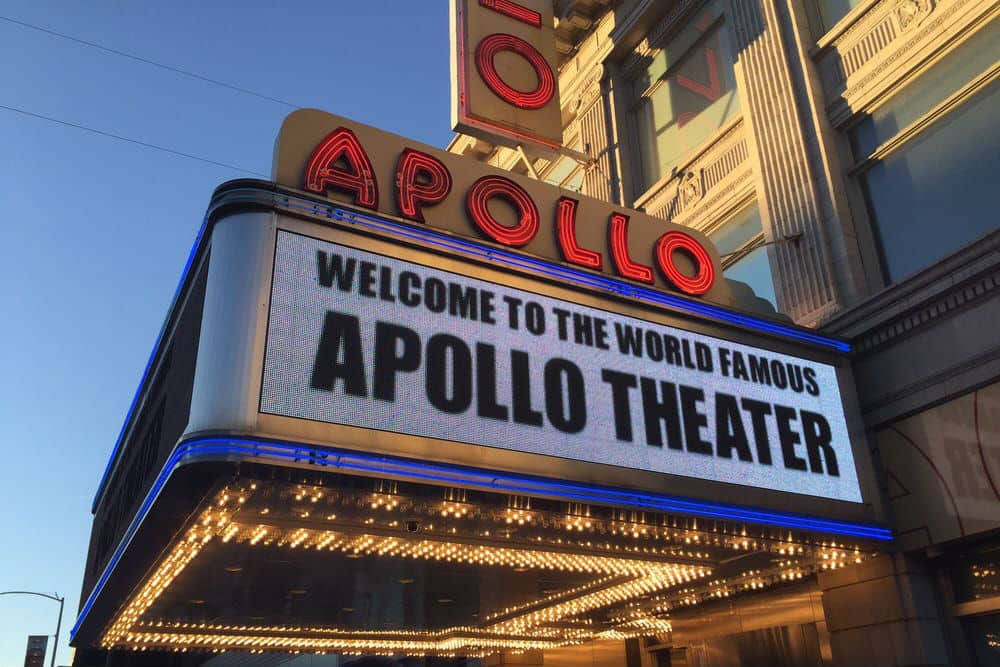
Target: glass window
column 935, row 85
column 937, row 192
column 686, row 93
column 831, row 11
column 740, row 242
column 983, row 633
column 564, row 171
column 975, row 574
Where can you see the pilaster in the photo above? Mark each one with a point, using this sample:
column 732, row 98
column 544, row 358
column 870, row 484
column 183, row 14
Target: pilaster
column 600, row 180
column 788, row 192
column 884, row 612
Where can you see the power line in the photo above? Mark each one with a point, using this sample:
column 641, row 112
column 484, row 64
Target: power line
column 147, row 61
column 132, row 141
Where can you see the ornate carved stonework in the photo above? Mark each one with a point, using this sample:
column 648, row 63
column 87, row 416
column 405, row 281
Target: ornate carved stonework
column 911, row 13
column 588, row 92
column 699, row 183
column 865, row 61
column 692, row 188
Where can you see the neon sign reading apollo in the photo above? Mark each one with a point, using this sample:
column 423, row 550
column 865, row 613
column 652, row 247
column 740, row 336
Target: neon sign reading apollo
column 341, row 163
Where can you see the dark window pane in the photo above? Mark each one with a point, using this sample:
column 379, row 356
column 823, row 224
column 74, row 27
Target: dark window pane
column 976, row 574
column 738, row 232
column 938, row 193
column 755, row 270
column 831, row 11
column 983, row 633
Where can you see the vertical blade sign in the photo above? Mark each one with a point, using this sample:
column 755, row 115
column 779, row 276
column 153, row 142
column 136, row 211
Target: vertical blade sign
column 504, row 84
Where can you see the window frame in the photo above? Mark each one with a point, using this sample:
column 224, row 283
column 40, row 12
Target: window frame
column 632, row 100
column 756, row 242
column 859, row 198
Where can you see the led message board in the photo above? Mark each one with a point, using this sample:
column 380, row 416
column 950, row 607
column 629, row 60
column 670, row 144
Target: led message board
column 360, row 339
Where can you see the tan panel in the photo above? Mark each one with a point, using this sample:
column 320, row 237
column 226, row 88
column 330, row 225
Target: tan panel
column 478, row 110
column 591, row 654
column 943, row 468
column 303, row 130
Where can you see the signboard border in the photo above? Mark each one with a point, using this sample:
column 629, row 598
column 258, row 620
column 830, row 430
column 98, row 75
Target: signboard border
column 283, row 427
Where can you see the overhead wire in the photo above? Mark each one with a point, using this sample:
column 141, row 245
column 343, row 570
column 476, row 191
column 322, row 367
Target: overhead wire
column 147, row 61
column 137, row 142
column 153, row 63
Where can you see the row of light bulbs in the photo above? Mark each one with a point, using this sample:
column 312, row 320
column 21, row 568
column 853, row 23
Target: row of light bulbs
column 625, row 523
column 647, row 578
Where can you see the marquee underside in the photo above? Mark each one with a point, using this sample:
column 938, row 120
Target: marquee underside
column 277, row 559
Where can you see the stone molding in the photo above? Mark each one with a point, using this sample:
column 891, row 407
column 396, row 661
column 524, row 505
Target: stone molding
column 889, row 41
column 694, row 186
column 966, row 277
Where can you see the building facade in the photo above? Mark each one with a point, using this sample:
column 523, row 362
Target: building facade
column 351, row 439
column 842, row 155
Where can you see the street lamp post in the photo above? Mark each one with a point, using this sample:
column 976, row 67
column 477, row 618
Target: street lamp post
column 55, row 646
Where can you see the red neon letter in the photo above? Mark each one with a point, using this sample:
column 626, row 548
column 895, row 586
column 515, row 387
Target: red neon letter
column 705, row 273
column 358, row 178
column 515, row 10
column 618, row 240
column 493, row 44
column 488, row 187
column 566, row 227
column 420, row 179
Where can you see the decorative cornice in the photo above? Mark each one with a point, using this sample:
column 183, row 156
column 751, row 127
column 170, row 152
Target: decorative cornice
column 967, row 277
column 704, row 157
column 859, row 67
column 644, row 52
column 692, row 189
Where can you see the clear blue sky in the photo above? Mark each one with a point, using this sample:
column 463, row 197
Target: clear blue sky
column 96, row 231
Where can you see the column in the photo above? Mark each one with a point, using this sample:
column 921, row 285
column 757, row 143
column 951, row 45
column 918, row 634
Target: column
column 884, row 612
column 788, row 190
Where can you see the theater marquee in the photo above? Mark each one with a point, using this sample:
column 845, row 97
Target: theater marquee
column 360, row 339
column 508, row 417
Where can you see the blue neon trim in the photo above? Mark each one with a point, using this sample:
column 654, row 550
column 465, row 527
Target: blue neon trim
column 505, row 481
column 211, row 448
column 149, row 364
column 591, row 280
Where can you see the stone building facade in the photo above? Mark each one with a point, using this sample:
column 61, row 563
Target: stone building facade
column 844, row 156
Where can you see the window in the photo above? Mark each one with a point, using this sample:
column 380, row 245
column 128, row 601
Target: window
column 740, row 241
column 831, row 11
column 928, row 160
column 563, row 171
column 983, row 634
column 685, row 94
column 566, row 172
column 975, row 577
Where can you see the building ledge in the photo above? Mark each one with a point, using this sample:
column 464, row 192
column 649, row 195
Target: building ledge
column 966, row 276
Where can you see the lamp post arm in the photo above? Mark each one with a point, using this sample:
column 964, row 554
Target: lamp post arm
column 61, row 601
